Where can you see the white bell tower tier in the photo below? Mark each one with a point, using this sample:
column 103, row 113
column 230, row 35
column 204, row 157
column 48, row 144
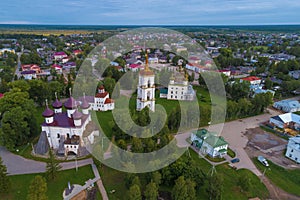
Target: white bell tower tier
column 146, row 89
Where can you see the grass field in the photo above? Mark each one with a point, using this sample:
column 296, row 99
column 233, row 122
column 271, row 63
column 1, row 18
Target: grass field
column 114, row 180
column 288, row 180
column 20, row 183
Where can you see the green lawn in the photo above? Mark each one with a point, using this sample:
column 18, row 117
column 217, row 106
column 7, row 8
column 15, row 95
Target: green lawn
column 231, row 153
column 114, row 180
column 20, row 183
column 288, row 180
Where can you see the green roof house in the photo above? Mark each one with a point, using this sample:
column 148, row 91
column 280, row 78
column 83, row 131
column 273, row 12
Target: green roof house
column 209, row 143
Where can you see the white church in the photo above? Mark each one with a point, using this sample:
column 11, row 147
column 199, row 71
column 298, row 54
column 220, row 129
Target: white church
column 178, row 88
column 102, row 102
column 67, row 132
column 146, row 89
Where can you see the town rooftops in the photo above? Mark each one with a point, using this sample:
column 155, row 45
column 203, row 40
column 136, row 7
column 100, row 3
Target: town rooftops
column 60, row 53
column 200, row 133
column 134, row 66
column 28, row 72
column 108, row 101
column 210, row 138
column 215, row 141
column 288, row 117
column 101, row 95
column 251, row 78
column 287, row 103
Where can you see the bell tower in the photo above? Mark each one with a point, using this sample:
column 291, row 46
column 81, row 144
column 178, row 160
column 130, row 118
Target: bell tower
column 146, row 89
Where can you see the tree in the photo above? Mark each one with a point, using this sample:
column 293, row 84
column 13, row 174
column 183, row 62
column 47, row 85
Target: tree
column 184, row 189
column 191, row 192
column 268, row 83
column 174, row 119
column 4, row 180
column 109, row 84
column 151, row 192
column 18, row 120
column 52, row 166
column 156, row 178
column 37, row 189
column 135, row 193
column 39, row 91
column 15, row 129
column 136, row 181
column 215, row 187
column 137, row 145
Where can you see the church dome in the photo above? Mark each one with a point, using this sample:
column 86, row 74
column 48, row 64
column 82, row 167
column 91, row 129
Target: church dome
column 77, row 115
column 85, row 104
column 48, row 112
column 57, row 104
column 70, row 103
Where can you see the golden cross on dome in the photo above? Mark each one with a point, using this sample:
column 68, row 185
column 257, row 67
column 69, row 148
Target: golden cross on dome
column 147, row 62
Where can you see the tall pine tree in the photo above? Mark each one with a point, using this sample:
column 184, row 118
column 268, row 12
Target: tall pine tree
column 52, row 166
column 4, row 180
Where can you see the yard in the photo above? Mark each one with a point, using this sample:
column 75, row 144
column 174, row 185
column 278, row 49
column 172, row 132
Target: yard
column 114, row 180
column 288, row 180
column 20, row 183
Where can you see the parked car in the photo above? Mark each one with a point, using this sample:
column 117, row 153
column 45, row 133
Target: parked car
column 236, row 160
column 263, row 161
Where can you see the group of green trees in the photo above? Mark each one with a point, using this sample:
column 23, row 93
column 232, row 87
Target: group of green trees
column 18, row 110
column 226, row 59
column 185, row 176
column 240, row 105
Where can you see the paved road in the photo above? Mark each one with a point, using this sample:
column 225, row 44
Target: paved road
column 18, row 165
column 233, row 134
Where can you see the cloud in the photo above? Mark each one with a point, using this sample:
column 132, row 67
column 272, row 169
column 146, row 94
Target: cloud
column 150, row 11
column 17, row 22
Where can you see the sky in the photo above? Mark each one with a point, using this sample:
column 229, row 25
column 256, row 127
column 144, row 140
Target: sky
column 150, row 12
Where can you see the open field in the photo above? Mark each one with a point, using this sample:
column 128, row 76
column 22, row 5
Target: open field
column 288, row 180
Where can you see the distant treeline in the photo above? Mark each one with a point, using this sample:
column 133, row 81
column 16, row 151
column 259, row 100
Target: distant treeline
column 182, row 28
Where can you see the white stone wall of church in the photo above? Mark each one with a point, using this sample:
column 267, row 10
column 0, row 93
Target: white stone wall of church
column 179, row 92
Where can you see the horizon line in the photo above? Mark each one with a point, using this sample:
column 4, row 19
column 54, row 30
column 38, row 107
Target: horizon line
column 262, row 24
